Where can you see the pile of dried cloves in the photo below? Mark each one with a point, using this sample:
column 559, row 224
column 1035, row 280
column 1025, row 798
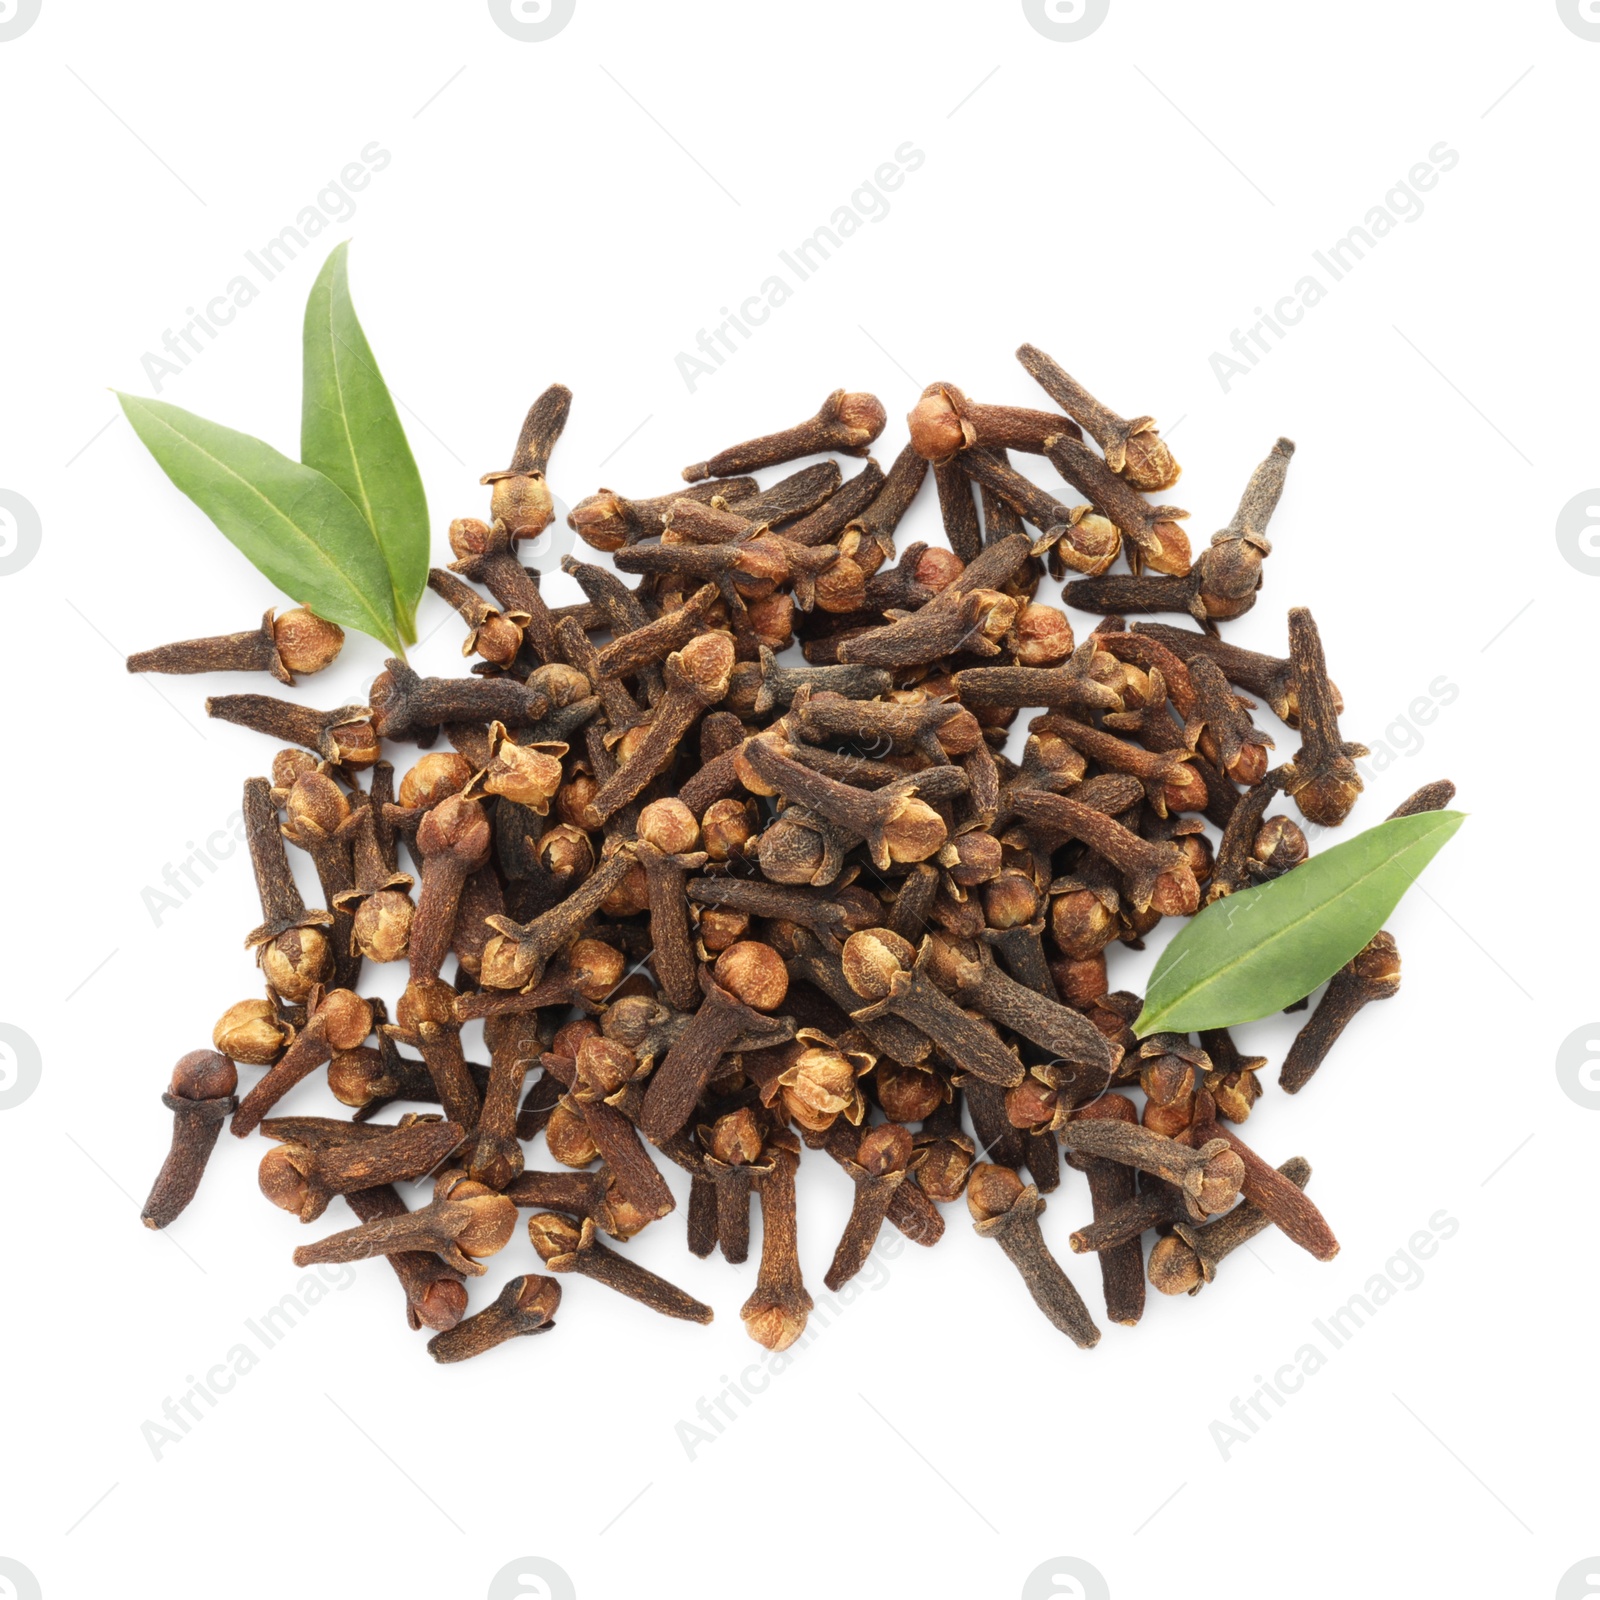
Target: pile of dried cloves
column 721, row 910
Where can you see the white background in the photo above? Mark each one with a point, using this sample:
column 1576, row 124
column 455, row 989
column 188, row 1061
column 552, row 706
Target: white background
column 577, row 210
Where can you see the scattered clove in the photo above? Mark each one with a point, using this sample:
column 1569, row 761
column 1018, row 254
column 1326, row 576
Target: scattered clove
column 298, row 641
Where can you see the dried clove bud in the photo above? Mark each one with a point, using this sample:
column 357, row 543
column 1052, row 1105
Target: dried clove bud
column 298, row 641
column 527, row 1305
column 1005, row 1210
column 847, row 423
column 200, row 1098
column 1373, row 974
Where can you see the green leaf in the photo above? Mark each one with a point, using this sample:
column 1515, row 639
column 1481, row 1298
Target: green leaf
column 299, row 529
column 350, row 430
column 1251, row 954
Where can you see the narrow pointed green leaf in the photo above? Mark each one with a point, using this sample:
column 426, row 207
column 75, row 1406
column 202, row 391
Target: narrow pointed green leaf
column 1251, row 954
column 350, row 430
column 298, row 529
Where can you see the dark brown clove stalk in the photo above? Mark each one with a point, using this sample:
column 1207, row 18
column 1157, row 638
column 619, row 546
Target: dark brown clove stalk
column 829, row 918
column 527, row 1305
column 489, row 556
column 608, row 521
column 944, row 421
column 1007, row 1212
column 667, row 838
column 733, row 1166
column 1209, row 1178
column 874, row 528
column 436, row 1296
column 408, row 707
column 775, row 1315
column 779, row 685
column 936, row 785
column 1001, row 520
column 1235, row 857
column 1232, row 564
column 621, row 709
column 1373, row 974
column 453, row 841
column 538, row 1106
column 1220, row 727
column 574, row 1194
column 828, row 521
column 339, row 1020
column 1067, row 1035
column 495, row 1154
column 518, row 958
column 878, row 1169
column 697, row 678
column 298, row 641
column 303, row 1178
column 1186, row 1260
column 1171, row 782
column 319, row 822
column 622, row 605
column 493, row 634
column 521, row 498
column 957, row 510
column 1226, row 576
column 894, row 824
column 601, row 1073
column 912, row 641
column 748, row 981
column 655, row 641
column 1285, row 1205
column 1133, row 450
column 796, row 495
column 564, row 1248
column 933, row 729
column 690, row 521
column 1111, row 1185
column 293, row 951
column 1152, row 1207
column 1081, row 683
column 1080, row 536
column 1155, row 875
column 200, row 1098
column 1270, row 677
column 379, row 903
column 344, row 736
column 439, row 1039
column 847, row 423
column 1322, row 779
column 1155, row 537
column 884, row 969
column 463, row 1222
column 703, row 1226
